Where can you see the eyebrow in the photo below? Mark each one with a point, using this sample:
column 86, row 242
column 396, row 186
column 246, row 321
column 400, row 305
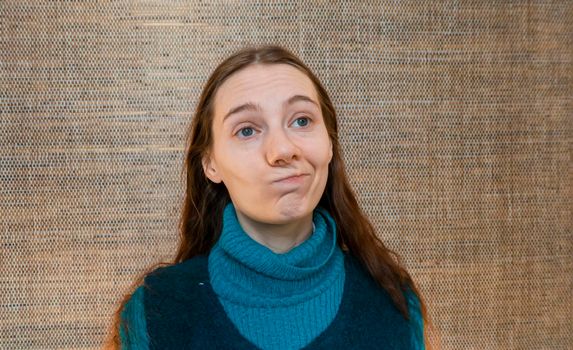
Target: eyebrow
column 250, row 106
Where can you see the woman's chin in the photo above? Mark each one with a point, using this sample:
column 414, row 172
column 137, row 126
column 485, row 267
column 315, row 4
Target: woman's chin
column 288, row 213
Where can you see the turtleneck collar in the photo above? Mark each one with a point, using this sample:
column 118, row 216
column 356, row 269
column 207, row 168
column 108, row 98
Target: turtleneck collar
column 245, row 272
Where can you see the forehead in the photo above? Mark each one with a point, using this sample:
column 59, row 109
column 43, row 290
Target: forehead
column 262, row 83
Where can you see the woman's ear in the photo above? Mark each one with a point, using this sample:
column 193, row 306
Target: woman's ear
column 210, row 169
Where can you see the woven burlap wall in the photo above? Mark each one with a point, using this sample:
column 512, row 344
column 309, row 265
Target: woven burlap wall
column 455, row 120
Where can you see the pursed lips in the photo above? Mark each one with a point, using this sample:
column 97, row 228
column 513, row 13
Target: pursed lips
column 291, row 177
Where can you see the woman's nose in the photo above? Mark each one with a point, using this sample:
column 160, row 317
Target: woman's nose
column 280, row 148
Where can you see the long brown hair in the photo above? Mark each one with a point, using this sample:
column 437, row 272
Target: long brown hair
column 204, row 201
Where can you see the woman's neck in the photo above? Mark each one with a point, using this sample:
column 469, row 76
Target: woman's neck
column 280, row 238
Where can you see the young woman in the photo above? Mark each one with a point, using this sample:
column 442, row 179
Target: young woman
column 274, row 250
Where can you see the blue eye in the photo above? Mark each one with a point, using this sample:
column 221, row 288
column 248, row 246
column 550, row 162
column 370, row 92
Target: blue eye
column 246, row 132
column 302, row 121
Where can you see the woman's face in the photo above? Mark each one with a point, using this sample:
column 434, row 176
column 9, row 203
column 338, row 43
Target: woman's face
column 270, row 145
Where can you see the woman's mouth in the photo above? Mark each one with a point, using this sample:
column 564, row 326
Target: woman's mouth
column 295, row 179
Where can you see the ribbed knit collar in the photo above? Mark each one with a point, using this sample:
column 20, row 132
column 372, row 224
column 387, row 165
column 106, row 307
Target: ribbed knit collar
column 248, row 273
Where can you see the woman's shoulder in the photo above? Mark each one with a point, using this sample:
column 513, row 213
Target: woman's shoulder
column 379, row 297
column 173, row 284
column 170, row 277
column 176, row 278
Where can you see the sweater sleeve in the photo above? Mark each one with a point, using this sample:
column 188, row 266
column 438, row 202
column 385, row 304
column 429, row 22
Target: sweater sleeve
column 416, row 321
column 135, row 337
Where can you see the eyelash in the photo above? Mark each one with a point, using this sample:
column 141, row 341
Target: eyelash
column 309, row 120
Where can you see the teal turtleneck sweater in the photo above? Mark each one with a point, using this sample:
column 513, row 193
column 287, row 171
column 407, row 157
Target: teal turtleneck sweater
column 278, row 301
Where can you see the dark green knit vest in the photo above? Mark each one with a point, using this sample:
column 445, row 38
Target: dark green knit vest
column 183, row 312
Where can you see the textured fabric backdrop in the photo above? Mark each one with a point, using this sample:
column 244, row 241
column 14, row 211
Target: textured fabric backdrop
column 455, row 120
